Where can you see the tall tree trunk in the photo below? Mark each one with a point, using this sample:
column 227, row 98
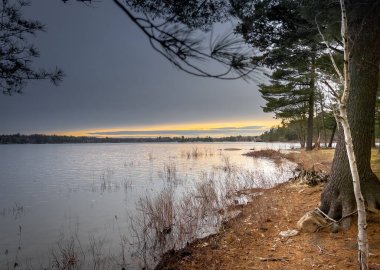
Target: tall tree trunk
column 301, row 132
column 332, row 135
column 373, row 137
column 323, row 119
column 302, row 141
column 338, row 197
column 377, row 112
column 310, row 123
column 310, row 120
column 317, row 143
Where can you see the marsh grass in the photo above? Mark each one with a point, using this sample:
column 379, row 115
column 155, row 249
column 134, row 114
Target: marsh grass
column 227, row 165
column 151, row 229
column 123, row 245
column 16, row 262
column 96, row 252
column 106, row 182
column 197, row 152
column 168, row 220
column 127, row 184
column 169, row 174
column 68, row 253
column 16, row 211
column 274, row 155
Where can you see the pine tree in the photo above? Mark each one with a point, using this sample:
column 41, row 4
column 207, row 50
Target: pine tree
column 287, row 44
column 16, row 53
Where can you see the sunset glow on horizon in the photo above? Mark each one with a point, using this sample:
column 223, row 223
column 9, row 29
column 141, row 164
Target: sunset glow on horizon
column 216, row 129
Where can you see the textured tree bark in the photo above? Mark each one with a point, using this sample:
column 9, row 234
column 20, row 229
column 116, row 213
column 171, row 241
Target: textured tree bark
column 362, row 217
column 332, row 136
column 373, row 135
column 363, row 249
column 338, row 197
column 323, row 121
column 350, row 44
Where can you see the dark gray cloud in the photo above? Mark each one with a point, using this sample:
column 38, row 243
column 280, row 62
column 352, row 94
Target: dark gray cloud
column 115, row 79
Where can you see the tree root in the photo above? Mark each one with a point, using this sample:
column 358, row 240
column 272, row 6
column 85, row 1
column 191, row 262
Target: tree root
column 317, row 220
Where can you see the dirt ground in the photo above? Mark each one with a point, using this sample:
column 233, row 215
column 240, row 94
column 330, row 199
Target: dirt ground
column 252, row 240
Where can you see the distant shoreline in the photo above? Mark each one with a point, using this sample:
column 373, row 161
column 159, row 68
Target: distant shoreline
column 59, row 139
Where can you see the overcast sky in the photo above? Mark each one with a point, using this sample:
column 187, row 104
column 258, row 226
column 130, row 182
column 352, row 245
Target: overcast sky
column 117, row 85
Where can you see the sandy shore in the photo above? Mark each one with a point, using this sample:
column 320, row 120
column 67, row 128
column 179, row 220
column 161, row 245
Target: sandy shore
column 252, row 240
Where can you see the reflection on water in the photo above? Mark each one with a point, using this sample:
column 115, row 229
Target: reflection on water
column 81, row 197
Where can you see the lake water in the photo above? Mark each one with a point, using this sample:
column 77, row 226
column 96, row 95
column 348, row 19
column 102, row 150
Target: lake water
column 53, row 192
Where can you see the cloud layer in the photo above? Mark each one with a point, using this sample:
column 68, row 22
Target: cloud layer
column 216, row 132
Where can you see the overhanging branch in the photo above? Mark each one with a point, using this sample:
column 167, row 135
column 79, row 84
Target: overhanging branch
column 178, row 44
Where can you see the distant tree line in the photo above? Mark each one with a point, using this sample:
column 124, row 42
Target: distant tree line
column 58, row 139
column 324, row 130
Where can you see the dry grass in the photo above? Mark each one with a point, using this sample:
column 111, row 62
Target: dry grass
column 68, row 254
column 274, row 155
column 169, row 172
column 375, row 161
column 232, row 149
column 318, row 160
column 166, row 222
column 252, row 241
column 196, row 153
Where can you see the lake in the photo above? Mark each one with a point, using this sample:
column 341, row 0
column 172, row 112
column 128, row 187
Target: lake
column 83, row 197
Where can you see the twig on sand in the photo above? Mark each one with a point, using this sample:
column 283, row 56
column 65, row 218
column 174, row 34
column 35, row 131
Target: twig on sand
column 273, row 259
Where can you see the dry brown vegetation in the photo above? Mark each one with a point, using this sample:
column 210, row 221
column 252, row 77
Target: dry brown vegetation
column 168, row 220
column 252, row 240
column 319, row 160
column 274, row 155
column 196, row 153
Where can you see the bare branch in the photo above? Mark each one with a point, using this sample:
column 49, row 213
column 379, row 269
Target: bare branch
column 339, row 73
column 180, row 46
column 332, row 91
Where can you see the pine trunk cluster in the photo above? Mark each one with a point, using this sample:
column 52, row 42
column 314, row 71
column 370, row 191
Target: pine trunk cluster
column 352, row 176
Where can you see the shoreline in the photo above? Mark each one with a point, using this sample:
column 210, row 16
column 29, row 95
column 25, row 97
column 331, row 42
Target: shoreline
column 252, row 240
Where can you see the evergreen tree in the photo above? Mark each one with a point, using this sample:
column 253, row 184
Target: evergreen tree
column 16, row 54
column 288, row 43
column 287, row 96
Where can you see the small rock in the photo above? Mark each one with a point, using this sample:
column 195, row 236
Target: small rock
column 241, row 200
column 311, row 222
column 288, row 233
column 205, row 244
